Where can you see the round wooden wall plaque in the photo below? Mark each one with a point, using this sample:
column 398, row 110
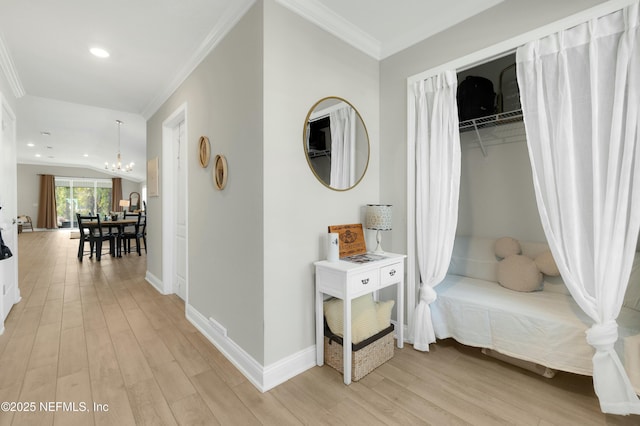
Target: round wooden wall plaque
column 204, row 151
column 220, row 173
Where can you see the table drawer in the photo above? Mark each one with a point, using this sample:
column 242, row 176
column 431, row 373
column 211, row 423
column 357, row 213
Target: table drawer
column 391, row 274
column 363, row 281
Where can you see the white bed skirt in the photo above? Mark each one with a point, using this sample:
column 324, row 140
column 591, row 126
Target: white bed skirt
column 546, row 328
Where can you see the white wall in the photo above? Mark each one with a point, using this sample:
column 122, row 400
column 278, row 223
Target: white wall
column 29, row 184
column 302, row 64
column 252, row 246
column 224, row 98
column 496, row 192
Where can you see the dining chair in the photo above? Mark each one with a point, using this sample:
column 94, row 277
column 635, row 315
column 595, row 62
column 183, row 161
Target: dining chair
column 135, row 232
column 142, row 233
column 91, row 231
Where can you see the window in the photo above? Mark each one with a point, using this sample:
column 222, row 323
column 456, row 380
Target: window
column 84, row 196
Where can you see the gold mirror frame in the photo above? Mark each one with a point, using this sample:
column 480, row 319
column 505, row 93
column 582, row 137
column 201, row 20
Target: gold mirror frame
column 220, row 172
column 365, row 136
column 204, row 151
column 134, row 201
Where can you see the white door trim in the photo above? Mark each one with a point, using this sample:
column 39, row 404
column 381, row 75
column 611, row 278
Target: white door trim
column 169, row 179
column 12, row 294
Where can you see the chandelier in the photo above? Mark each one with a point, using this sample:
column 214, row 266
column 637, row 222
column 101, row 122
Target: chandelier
column 118, row 165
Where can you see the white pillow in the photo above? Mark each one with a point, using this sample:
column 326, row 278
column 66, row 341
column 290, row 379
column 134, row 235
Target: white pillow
column 519, row 273
column 533, row 249
column 547, row 264
column 507, row 246
column 383, row 313
column 364, row 319
column 474, row 257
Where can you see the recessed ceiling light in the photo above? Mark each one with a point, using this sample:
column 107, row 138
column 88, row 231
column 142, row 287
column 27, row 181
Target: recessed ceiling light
column 85, row 155
column 99, row 52
column 43, row 133
column 38, row 155
column 30, row 145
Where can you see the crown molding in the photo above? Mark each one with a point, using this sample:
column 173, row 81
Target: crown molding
column 325, row 18
column 9, row 71
column 229, row 19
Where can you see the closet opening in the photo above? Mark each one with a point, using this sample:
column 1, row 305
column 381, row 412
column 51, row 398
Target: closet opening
column 488, row 99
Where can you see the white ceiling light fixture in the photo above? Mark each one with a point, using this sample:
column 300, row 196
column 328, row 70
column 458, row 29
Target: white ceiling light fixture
column 118, row 165
column 99, row 52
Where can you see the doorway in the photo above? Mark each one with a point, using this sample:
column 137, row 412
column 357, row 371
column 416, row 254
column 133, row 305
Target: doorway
column 10, row 292
column 174, row 205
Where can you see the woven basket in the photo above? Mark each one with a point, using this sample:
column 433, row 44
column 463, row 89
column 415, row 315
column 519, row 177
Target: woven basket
column 366, row 356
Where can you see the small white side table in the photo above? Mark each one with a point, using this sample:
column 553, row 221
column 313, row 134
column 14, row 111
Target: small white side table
column 347, row 281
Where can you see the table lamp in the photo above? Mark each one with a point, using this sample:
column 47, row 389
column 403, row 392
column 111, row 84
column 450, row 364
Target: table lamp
column 378, row 217
column 124, row 204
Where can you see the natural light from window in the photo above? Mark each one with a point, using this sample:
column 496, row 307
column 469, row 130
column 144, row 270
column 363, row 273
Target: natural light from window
column 80, row 195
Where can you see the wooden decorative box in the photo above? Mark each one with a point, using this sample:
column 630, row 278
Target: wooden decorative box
column 351, row 239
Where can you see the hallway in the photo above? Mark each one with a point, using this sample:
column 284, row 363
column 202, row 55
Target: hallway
column 98, row 333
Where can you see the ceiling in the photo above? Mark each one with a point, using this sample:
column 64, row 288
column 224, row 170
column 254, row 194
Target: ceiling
column 154, row 44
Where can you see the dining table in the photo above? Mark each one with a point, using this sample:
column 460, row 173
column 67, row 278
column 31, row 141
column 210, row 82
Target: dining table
column 118, row 224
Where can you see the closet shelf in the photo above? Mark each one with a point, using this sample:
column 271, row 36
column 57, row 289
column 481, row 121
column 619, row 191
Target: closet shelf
column 489, row 121
column 492, row 120
column 313, row 153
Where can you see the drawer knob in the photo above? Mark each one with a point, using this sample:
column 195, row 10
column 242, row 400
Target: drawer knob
column 392, row 272
column 365, row 281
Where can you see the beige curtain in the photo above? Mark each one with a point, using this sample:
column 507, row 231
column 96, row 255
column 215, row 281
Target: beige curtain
column 47, row 215
column 116, row 194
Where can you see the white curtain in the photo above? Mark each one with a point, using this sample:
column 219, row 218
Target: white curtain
column 437, row 144
column 343, row 146
column 580, row 95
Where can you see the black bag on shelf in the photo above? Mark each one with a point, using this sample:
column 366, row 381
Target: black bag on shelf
column 476, row 98
column 5, row 252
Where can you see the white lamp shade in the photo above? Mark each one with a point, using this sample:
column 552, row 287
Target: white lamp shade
column 378, row 216
column 124, row 203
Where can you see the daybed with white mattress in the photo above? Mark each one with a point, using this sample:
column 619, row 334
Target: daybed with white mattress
column 544, row 327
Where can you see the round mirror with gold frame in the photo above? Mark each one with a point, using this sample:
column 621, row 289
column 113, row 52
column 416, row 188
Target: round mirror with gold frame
column 336, row 143
column 220, row 173
column 204, row 151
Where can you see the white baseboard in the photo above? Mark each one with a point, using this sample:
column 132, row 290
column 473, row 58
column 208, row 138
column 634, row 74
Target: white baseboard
column 263, row 378
column 289, row 367
column 155, row 282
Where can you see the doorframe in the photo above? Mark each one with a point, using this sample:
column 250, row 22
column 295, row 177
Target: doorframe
column 11, row 119
column 169, row 205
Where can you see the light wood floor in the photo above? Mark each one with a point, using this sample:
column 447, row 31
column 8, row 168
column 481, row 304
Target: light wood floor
column 98, row 333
